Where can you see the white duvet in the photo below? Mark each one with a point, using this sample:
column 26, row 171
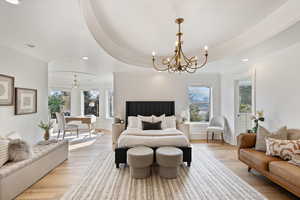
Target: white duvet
column 132, row 137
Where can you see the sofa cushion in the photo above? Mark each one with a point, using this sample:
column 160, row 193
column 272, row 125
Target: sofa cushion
column 293, row 134
column 257, row 158
column 3, row 151
column 38, row 152
column 286, row 171
column 285, row 149
column 262, row 133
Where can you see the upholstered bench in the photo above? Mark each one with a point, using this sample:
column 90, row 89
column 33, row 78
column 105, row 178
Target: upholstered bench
column 140, row 160
column 169, row 159
column 15, row 177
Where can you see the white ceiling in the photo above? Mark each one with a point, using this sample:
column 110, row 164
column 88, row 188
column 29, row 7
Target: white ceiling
column 112, row 31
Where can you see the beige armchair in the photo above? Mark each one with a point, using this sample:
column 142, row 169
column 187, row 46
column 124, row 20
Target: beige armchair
column 117, row 129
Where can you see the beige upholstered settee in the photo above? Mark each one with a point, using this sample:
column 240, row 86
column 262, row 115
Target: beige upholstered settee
column 15, row 177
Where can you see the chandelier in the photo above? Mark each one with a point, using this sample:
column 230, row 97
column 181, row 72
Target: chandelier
column 179, row 62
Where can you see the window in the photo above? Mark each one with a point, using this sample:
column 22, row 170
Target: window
column 110, row 104
column 200, row 103
column 59, row 101
column 91, row 102
column 245, row 96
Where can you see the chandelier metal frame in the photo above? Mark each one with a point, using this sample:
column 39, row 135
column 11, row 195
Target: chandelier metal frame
column 179, row 62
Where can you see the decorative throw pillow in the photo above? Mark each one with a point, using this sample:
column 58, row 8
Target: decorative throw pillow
column 3, row 151
column 145, row 119
column 151, row 125
column 161, row 118
column 171, row 122
column 19, row 150
column 285, row 149
column 295, row 159
column 132, row 122
column 262, row 133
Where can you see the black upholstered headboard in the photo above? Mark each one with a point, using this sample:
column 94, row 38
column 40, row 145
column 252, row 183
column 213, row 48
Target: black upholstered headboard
column 147, row 108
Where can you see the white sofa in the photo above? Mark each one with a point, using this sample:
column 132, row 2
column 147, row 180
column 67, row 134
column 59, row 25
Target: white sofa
column 15, row 177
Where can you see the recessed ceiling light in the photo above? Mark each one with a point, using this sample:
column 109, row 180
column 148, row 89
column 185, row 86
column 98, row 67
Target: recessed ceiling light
column 245, row 59
column 30, row 45
column 85, row 58
column 15, row 2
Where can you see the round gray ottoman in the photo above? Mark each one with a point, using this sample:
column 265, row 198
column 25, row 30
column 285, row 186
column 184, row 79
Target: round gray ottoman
column 169, row 159
column 140, row 160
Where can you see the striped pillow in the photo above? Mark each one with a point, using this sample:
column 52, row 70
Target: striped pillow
column 285, row 149
column 3, row 151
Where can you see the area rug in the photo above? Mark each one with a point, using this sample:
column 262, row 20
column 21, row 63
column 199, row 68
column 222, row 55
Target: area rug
column 206, row 179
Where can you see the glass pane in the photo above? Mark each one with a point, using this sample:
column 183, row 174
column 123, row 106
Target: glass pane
column 91, row 102
column 245, row 94
column 199, row 98
column 59, row 101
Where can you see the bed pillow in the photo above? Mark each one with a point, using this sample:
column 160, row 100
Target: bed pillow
column 4, row 156
column 263, row 133
column 161, row 118
column 171, row 121
column 145, row 119
column 151, row 125
column 285, row 149
column 132, row 122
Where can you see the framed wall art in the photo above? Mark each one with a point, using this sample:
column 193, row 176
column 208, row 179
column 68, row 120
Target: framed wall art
column 26, row 101
column 7, row 84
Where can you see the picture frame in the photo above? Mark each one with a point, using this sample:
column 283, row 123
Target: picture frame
column 7, row 90
column 25, row 101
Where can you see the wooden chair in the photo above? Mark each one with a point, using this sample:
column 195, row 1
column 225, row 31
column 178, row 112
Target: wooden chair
column 64, row 127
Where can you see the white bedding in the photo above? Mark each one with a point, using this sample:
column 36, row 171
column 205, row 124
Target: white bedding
column 132, row 137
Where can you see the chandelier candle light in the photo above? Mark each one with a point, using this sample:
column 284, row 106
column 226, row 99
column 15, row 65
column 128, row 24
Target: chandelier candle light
column 179, row 62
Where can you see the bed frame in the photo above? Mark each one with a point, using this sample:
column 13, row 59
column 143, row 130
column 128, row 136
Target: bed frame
column 148, row 108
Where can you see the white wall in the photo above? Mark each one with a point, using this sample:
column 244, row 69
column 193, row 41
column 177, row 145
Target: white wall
column 277, row 88
column 155, row 86
column 29, row 73
column 276, row 83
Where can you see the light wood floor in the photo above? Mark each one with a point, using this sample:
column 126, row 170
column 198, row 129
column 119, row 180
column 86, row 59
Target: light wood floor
column 81, row 155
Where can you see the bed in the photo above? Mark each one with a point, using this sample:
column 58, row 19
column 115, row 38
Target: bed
column 153, row 138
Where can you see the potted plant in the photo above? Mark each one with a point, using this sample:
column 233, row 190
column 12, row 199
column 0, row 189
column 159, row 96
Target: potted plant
column 46, row 127
column 259, row 116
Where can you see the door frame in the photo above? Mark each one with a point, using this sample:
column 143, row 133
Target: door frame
column 250, row 75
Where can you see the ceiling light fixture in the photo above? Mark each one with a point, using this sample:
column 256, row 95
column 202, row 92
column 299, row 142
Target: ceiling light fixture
column 179, row 62
column 30, row 45
column 15, row 2
column 245, row 59
column 75, row 82
column 85, row 58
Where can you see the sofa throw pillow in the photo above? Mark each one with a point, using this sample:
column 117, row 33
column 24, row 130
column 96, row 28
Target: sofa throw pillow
column 161, row 118
column 285, row 149
column 262, row 133
column 3, row 151
column 145, row 119
column 19, row 150
column 151, row 125
column 295, row 160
